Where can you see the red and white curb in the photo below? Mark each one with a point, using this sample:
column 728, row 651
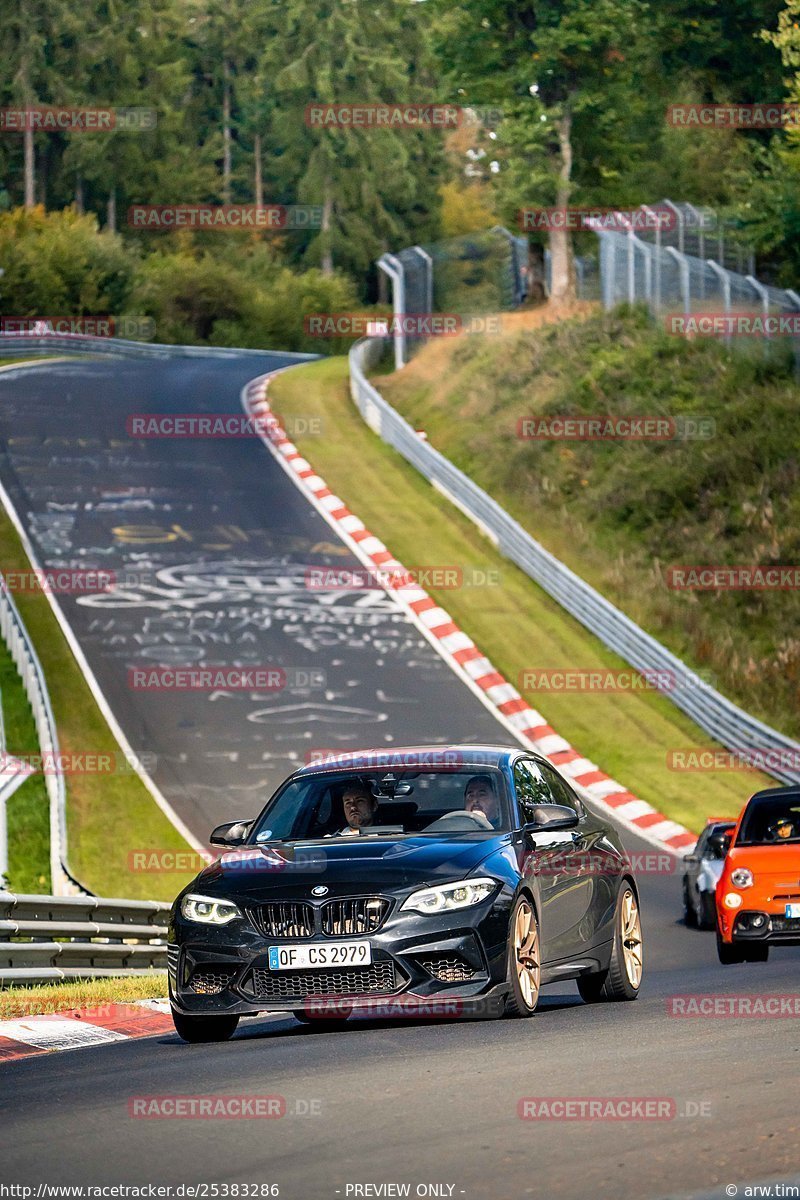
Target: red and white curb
column 81, row 1027
column 457, row 648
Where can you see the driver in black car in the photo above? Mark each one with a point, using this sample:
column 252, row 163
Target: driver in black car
column 480, row 797
column 359, row 807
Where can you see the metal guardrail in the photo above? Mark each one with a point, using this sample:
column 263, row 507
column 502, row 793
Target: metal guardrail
column 76, row 343
column 26, row 660
column 730, row 725
column 46, row 938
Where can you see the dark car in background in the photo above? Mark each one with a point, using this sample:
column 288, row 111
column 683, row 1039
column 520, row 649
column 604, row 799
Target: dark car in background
column 459, row 877
column 702, row 869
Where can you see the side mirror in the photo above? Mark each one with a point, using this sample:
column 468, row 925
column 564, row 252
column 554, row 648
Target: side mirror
column 232, row 833
column 726, row 843
column 547, row 818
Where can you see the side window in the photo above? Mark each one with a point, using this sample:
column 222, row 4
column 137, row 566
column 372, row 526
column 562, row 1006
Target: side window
column 562, row 793
column 531, row 789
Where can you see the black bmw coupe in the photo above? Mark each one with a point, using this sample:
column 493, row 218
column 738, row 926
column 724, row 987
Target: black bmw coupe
column 427, row 880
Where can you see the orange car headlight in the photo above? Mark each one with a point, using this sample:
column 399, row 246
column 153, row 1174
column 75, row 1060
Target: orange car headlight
column 741, row 878
column 732, row 900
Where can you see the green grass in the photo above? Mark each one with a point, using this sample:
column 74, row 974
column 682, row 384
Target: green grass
column 63, row 997
column 27, row 810
column 108, row 814
column 620, row 513
column 22, row 362
column 515, row 623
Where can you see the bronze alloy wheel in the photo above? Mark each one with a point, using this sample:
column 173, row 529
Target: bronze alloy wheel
column 631, row 938
column 524, row 961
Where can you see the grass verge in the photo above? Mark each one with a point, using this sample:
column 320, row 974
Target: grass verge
column 88, row 993
column 27, row 810
column 514, row 622
column 108, row 814
column 622, row 513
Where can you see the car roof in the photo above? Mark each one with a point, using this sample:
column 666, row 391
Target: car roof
column 399, row 758
column 790, row 792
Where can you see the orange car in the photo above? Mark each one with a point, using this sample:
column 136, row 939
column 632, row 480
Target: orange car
column 758, row 894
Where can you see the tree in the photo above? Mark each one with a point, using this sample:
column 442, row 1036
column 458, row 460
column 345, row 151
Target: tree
column 374, row 186
column 27, row 76
column 136, row 57
column 562, row 70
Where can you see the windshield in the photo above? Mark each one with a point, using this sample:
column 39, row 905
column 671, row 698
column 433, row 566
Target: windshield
column 771, row 822
column 348, row 804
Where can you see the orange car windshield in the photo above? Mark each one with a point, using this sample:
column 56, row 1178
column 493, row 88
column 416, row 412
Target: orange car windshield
column 770, row 823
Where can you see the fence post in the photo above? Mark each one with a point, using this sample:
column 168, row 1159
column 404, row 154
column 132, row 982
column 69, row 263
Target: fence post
column 653, row 263
column 631, row 267
column 683, row 267
column 763, row 295
column 392, row 267
column 795, row 300
column 647, row 251
column 700, row 246
column 725, row 280
column 608, row 266
column 679, row 216
column 428, row 261
column 516, row 266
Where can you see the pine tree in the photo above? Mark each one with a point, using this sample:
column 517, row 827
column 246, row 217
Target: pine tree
column 373, row 185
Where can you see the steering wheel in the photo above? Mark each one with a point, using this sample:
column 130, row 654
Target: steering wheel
column 460, row 822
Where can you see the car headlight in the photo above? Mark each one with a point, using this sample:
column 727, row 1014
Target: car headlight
column 732, row 900
column 741, row 877
column 448, row 897
column 208, row 911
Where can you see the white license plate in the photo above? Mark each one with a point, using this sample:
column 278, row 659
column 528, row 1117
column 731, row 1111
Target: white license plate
column 320, row 954
column 792, row 910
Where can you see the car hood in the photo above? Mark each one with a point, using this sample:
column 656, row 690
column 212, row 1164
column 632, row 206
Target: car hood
column 769, row 864
column 344, row 863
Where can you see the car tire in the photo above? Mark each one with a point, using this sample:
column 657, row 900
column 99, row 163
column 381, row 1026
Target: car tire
column 708, row 911
column 689, row 911
column 729, row 955
column 204, row 1029
column 623, row 979
column 524, row 960
column 757, row 953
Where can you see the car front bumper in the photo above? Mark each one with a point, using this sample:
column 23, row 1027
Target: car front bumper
column 761, row 925
column 448, row 965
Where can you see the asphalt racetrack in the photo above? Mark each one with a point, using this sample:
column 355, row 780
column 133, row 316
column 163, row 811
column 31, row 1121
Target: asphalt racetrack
column 225, row 539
